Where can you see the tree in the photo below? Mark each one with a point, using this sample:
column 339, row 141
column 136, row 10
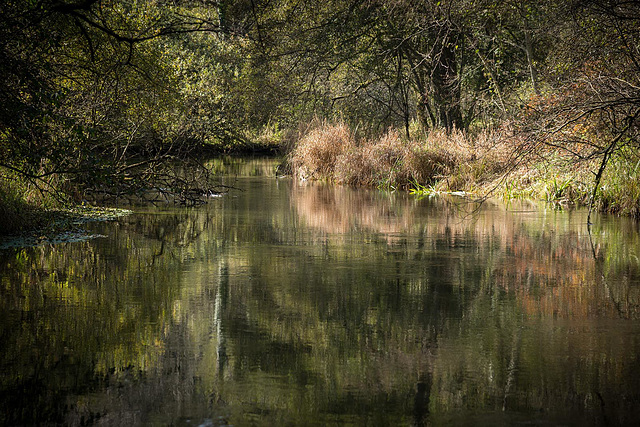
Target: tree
column 592, row 113
column 87, row 90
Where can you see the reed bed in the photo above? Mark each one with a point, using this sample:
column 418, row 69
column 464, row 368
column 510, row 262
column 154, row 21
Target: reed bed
column 449, row 161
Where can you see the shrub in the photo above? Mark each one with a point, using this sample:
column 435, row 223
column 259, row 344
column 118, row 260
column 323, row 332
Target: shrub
column 316, row 153
column 453, row 160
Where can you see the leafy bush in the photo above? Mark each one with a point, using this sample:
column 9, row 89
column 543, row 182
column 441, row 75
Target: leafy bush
column 15, row 212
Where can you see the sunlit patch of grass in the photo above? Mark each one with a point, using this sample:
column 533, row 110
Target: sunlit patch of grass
column 619, row 190
column 511, row 191
column 547, row 181
column 423, row 190
column 558, row 190
column 391, row 161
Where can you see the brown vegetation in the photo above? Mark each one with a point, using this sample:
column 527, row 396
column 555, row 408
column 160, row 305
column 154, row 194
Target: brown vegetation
column 452, row 161
column 499, row 163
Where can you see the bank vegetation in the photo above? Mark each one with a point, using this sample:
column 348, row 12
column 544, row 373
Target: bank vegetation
column 500, row 163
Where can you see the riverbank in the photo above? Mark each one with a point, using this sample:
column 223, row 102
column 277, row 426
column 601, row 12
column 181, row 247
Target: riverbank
column 41, row 226
column 47, row 207
column 500, row 163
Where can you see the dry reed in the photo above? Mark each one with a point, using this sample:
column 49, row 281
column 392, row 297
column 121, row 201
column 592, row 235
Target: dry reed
column 451, row 160
column 316, row 153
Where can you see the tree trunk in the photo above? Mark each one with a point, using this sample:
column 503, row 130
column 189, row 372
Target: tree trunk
column 445, row 86
column 528, row 48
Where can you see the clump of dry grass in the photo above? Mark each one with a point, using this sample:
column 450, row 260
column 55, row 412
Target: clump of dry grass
column 480, row 159
column 452, row 160
column 316, row 154
column 392, row 161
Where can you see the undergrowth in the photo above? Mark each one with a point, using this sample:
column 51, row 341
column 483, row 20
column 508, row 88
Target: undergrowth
column 16, row 213
column 22, row 206
column 445, row 161
column 619, row 191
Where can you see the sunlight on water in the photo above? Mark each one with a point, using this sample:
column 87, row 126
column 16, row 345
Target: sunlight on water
column 309, row 304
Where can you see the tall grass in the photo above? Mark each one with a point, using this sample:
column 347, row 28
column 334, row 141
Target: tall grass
column 15, row 212
column 619, row 191
column 23, row 206
column 489, row 163
column 447, row 161
column 316, row 154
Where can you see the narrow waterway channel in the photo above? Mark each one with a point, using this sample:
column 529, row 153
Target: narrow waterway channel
column 287, row 303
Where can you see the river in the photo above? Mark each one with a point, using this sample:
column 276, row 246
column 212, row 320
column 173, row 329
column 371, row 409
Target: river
column 298, row 303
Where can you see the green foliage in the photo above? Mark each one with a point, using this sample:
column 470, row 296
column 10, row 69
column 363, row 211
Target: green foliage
column 557, row 189
column 420, row 190
column 13, row 210
column 619, row 191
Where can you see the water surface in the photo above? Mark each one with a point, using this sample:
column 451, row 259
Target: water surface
column 286, row 303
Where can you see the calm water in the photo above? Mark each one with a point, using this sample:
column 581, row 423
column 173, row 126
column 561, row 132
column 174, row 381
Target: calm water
column 289, row 303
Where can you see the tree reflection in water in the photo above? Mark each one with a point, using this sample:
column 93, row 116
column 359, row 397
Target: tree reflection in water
column 314, row 304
